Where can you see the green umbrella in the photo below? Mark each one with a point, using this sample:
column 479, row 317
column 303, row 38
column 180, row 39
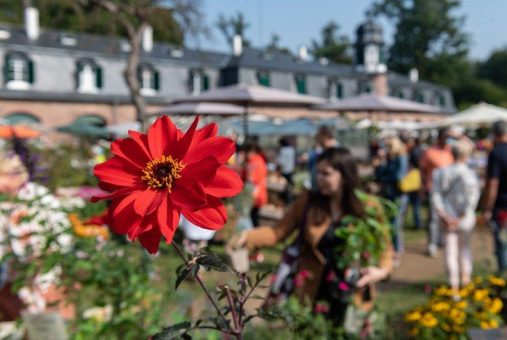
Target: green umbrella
column 85, row 130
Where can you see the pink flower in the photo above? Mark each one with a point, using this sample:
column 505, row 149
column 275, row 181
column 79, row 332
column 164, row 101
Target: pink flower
column 301, row 277
column 321, row 308
column 331, row 276
column 427, row 289
column 343, row 286
column 502, row 216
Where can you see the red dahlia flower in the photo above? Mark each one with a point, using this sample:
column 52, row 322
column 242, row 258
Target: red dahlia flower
column 154, row 177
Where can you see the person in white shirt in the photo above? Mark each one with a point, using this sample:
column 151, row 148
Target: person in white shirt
column 287, row 164
column 455, row 196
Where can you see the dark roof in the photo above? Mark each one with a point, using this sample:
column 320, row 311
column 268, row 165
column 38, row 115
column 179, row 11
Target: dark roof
column 76, row 97
column 111, row 45
column 397, row 79
column 262, row 59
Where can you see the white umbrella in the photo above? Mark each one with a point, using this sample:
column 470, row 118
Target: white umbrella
column 373, row 102
column 201, row 108
column 475, row 115
column 245, row 95
column 252, row 94
column 122, row 129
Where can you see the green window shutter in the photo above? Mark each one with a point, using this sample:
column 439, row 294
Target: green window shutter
column 31, row 72
column 263, row 78
column 301, row 84
column 156, row 80
column 205, row 82
column 441, row 100
column 98, row 77
column 7, row 65
column 79, row 69
column 339, row 90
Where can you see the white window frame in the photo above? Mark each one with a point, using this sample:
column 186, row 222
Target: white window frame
column 19, row 71
column 147, row 81
column 87, row 79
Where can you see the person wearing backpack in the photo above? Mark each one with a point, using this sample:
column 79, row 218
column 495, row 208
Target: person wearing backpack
column 314, row 217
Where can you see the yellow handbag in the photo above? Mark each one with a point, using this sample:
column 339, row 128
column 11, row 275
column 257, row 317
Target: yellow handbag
column 411, row 182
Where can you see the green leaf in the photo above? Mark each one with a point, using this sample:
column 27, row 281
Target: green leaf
column 182, row 275
column 211, row 261
column 173, row 332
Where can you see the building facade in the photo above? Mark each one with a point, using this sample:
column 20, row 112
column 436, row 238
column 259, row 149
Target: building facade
column 54, row 76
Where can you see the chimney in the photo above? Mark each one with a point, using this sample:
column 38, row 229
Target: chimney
column 413, row 75
column 237, row 45
column 379, row 83
column 303, row 53
column 32, row 22
column 148, row 39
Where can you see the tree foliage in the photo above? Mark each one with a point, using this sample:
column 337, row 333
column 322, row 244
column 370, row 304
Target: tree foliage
column 274, row 45
column 425, row 30
column 233, row 25
column 70, row 16
column 332, row 45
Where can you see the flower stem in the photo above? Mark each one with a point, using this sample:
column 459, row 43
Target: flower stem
column 233, row 312
column 198, row 279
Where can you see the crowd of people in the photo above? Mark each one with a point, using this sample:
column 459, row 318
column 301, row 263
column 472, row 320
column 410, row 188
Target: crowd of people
column 424, row 174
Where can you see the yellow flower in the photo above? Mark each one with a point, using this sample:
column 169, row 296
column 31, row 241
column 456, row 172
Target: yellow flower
column 480, row 294
column 440, row 306
column 497, row 281
column 443, row 291
column 446, row 327
column 493, row 323
column 478, row 280
column 428, row 320
column 464, row 292
column 457, row 316
column 413, row 316
column 496, row 306
column 485, row 325
column 462, row 304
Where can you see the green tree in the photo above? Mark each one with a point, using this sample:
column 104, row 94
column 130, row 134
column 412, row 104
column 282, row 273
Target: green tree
column 333, row 45
column 70, row 16
column 495, row 67
column 426, row 30
column 234, row 25
column 274, row 45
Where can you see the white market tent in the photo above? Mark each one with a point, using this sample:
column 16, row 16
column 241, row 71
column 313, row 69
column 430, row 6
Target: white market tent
column 476, row 115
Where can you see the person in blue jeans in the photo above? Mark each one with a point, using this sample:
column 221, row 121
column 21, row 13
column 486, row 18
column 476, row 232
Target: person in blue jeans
column 496, row 193
column 389, row 173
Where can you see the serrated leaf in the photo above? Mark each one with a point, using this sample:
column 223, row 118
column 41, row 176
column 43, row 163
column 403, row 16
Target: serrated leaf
column 172, row 332
column 212, row 261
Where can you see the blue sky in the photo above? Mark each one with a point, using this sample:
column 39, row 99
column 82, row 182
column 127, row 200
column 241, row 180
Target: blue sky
column 297, row 22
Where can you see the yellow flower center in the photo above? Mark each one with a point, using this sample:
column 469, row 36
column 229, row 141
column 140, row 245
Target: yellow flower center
column 160, row 173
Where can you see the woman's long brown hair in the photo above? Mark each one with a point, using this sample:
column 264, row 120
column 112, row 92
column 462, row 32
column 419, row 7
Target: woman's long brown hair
column 341, row 160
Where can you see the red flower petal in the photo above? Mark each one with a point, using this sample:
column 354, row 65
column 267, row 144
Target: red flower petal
column 167, row 219
column 206, row 132
column 219, row 147
column 226, row 183
column 203, row 171
column 131, row 151
column 118, row 172
column 122, row 216
column 142, row 140
column 188, row 194
column 117, row 194
column 150, row 240
column 185, row 142
column 213, row 216
column 146, row 200
column 162, row 135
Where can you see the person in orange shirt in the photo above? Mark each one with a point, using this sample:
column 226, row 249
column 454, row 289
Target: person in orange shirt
column 435, row 157
column 256, row 173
